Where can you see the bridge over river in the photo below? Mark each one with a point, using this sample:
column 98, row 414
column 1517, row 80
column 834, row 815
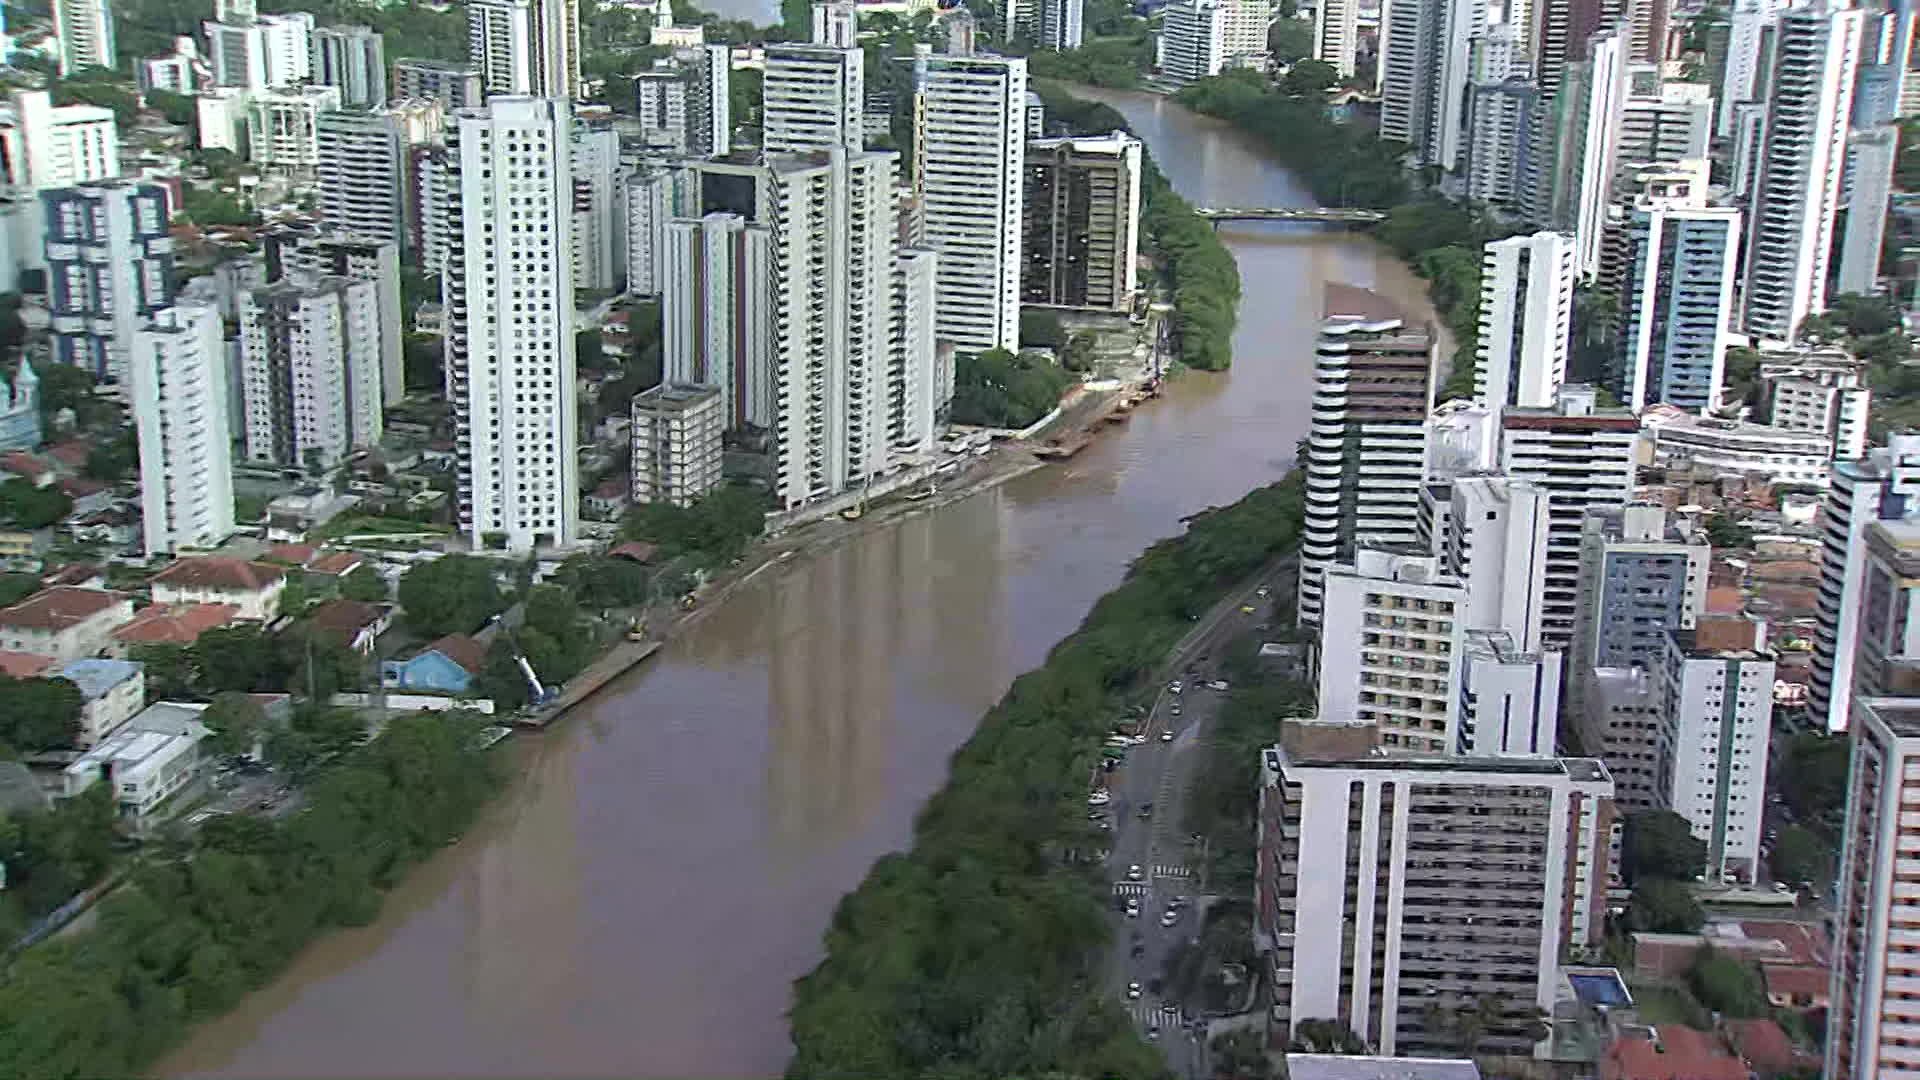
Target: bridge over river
column 1328, row 214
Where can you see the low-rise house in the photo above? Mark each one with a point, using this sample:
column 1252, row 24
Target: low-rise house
column 1361, row 1067
column 172, row 624
column 64, row 622
column 79, row 575
column 253, row 587
column 152, row 757
column 352, row 623
column 18, row 544
column 19, row 464
column 20, row 665
column 610, row 499
column 113, row 527
column 1670, row 1052
column 1764, row 1047
column 448, row 666
column 112, row 692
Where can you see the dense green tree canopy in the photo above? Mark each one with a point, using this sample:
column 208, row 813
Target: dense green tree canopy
column 38, row 714
column 998, row 389
column 1661, row 844
column 453, row 594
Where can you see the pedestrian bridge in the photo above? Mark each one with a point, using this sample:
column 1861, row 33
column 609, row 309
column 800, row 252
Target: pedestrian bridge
column 1328, row 214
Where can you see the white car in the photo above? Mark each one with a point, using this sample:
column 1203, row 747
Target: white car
column 1217, row 684
column 1166, row 736
column 1099, row 798
column 1169, row 918
column 1174, row 687
column 1133, row 991
column 1133, row 872
column 1263, row 592
column 1133, row 909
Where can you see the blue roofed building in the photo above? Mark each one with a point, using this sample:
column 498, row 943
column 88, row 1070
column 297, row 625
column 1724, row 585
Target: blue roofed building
column 447, row 666
column 112, row 692
column 20, row 409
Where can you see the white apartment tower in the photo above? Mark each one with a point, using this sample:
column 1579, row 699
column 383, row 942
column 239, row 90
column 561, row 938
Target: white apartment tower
column 179, row 385
column 331, row 252
column 1716, row 692
column 1882, row 486
column 1821, row 392
column 311, row 370
column 1676, row 304
column 109, row 259
column 49, row 146
column 1393, row 638
column 1591, row 158
column 677, row 450
column 813, row 97
column 716, row 311
column 353, row 60
column 919, row 382
column 1872, row 153
column 283, row 127
column 969, row 161
column 1389, row 887
column 1583, row 457
column 265, row 52
column 1192, row 44
column 362, row 171
column 526, row 46
column 1875, row 906
column 1796, row 193
column 1526, row 320
column 1672, row 124
column 655, row 195
column 508, row 296
column 1496, row 544
column 1374, row 383
column 599, row 211
column 1336, row 34
column 684, row 104
column 1743, row 78
column 84, row 31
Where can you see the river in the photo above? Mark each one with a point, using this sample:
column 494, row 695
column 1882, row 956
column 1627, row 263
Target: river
column 639, row 900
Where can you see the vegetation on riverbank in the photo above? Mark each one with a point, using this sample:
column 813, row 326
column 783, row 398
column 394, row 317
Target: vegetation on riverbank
column 1348, row 165
column 998, row 389
column 1201, row 276
column 200, row 924
column 977, row 953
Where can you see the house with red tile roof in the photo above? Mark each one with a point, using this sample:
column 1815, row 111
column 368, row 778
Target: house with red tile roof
column 351, row 623
column 64, row 622
column 21, row 665
column 1674, row 1052
column 173, row 624
column 253, row 587
column 1764, row 1046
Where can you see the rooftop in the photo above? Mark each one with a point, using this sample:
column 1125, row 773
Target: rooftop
column 674, row 396
column 1351, row 302
column 210, row 572
column 20, row 665
column 462, row 650
column 96, row 677
column 1341, row 1067
column 175, row 624
column 342, row 620
column 59, row 608
column 1675, row 1053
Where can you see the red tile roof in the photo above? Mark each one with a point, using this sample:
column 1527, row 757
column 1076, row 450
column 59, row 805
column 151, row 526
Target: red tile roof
column 1681, row 1053
column 235, row 575
column 59, row 607
column 638, row 550
column 21, row 665
column 291, row 554
column 79, row 487
column 1761, row 1044
column 175, row 624
column 1796, row 980
column 343, row 620
column 74, row 574
column 1800, row 943
column 462, row 650
column 335, row 563
column 21, row 463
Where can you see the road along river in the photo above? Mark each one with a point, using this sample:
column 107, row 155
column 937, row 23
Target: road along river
column 667, row 858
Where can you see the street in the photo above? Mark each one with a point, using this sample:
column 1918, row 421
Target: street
column 1148, row 792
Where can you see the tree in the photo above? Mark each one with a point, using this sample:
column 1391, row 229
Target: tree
column 453, row 594
column 174, row 108
column 1724, row 530
column 64, row 386
column 241, row 658
column 1799, row 856
column 110, row 462
column 169, row 669
column 1661, row 844
column 1813, row 776
column 39, row 714
column 1664, row 906
column 1725, row 984
column 1041, row 328
column 1325, row 1037
column 17, row 587
column 1310, row 79
column 998, row 389
column 365, row 585
column 30, row 507
column 236, row 721
column 1289, row 40
column 589, row 355
column 501, row 680
column 712, row 532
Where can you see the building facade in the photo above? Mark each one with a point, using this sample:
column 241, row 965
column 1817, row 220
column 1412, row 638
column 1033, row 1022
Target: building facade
column 179, row 391
column 1716, row 691
column 83, row 29
column 109, row 268
column 455, row 85
column 353, row 60
column 717, row 316
column 1676, row 304
column 1081, row 219
column 677, row 432
column 311, row 377
column 1526, row 320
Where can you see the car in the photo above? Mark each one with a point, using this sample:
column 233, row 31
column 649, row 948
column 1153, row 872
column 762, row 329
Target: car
column 1099, row 798
column 1146, row 809
column 1133, row 909
column 1136, row 740
column 1177, row 903
column 1133, row 991
column 1263, row 591
column 1246, row 609
column 1170, row 1008
column 1169, row 918
column 1096, row 815
column 1217, row 684
column 1105, row 825
column 1176, row 710
column 1133, row 872
column 1174, row 687
column 1153, row 1033
column 1166, row 736
column 1782, row 888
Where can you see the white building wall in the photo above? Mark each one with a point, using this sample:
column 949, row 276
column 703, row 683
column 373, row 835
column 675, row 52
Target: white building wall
column 716, row 314
column 180, row 415
column 1717, row 718
column 1872, row 153
column 1526, row 320
column 599, row 216
column 83, row 29
column 1392, row 635
column 1676, row 306
column 500, row 44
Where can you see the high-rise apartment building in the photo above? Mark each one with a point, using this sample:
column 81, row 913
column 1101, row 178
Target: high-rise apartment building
column 331, row 252
column 1676, row 304
column 263, row 52
column 1387, row 888
column 509, row 308
column 1496, row 544
column 109, row 270
column 1716, row 693
column 677, row 431
column 1882, row 486
column 526, row 46
column 1502, row 169
column 1509, row 698
column 1797, row 190
column 1336, row 35
column 49, row 146
column 1591, row 106
column 1749, row 51
column 310, row 370
column 1526, row 320
column 599, row 218
column 283, row 127
column 1426, row 67
column 683, row 103
column 1081, row 218
column 919, row 370
column 1875, row 908
column 1820, row 391
column 83, row 29
column 656, row 194
column 353, row 60
column 1583, row 456
column 1055, row 25
column 969, row 157
column 177, row 372
column 813, row 97
column 717, row 314
column 362, row 167
column 1374, row 383
column 455, row 85
column 1192, row 44
column 1871, row 153
column 1641, row 575
column 1674, row 123
column 1393, row 637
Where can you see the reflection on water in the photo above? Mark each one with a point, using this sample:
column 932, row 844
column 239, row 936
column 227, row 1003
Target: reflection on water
column 667, row 860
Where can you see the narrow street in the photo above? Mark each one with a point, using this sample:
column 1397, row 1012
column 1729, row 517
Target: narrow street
column 1152, row 860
